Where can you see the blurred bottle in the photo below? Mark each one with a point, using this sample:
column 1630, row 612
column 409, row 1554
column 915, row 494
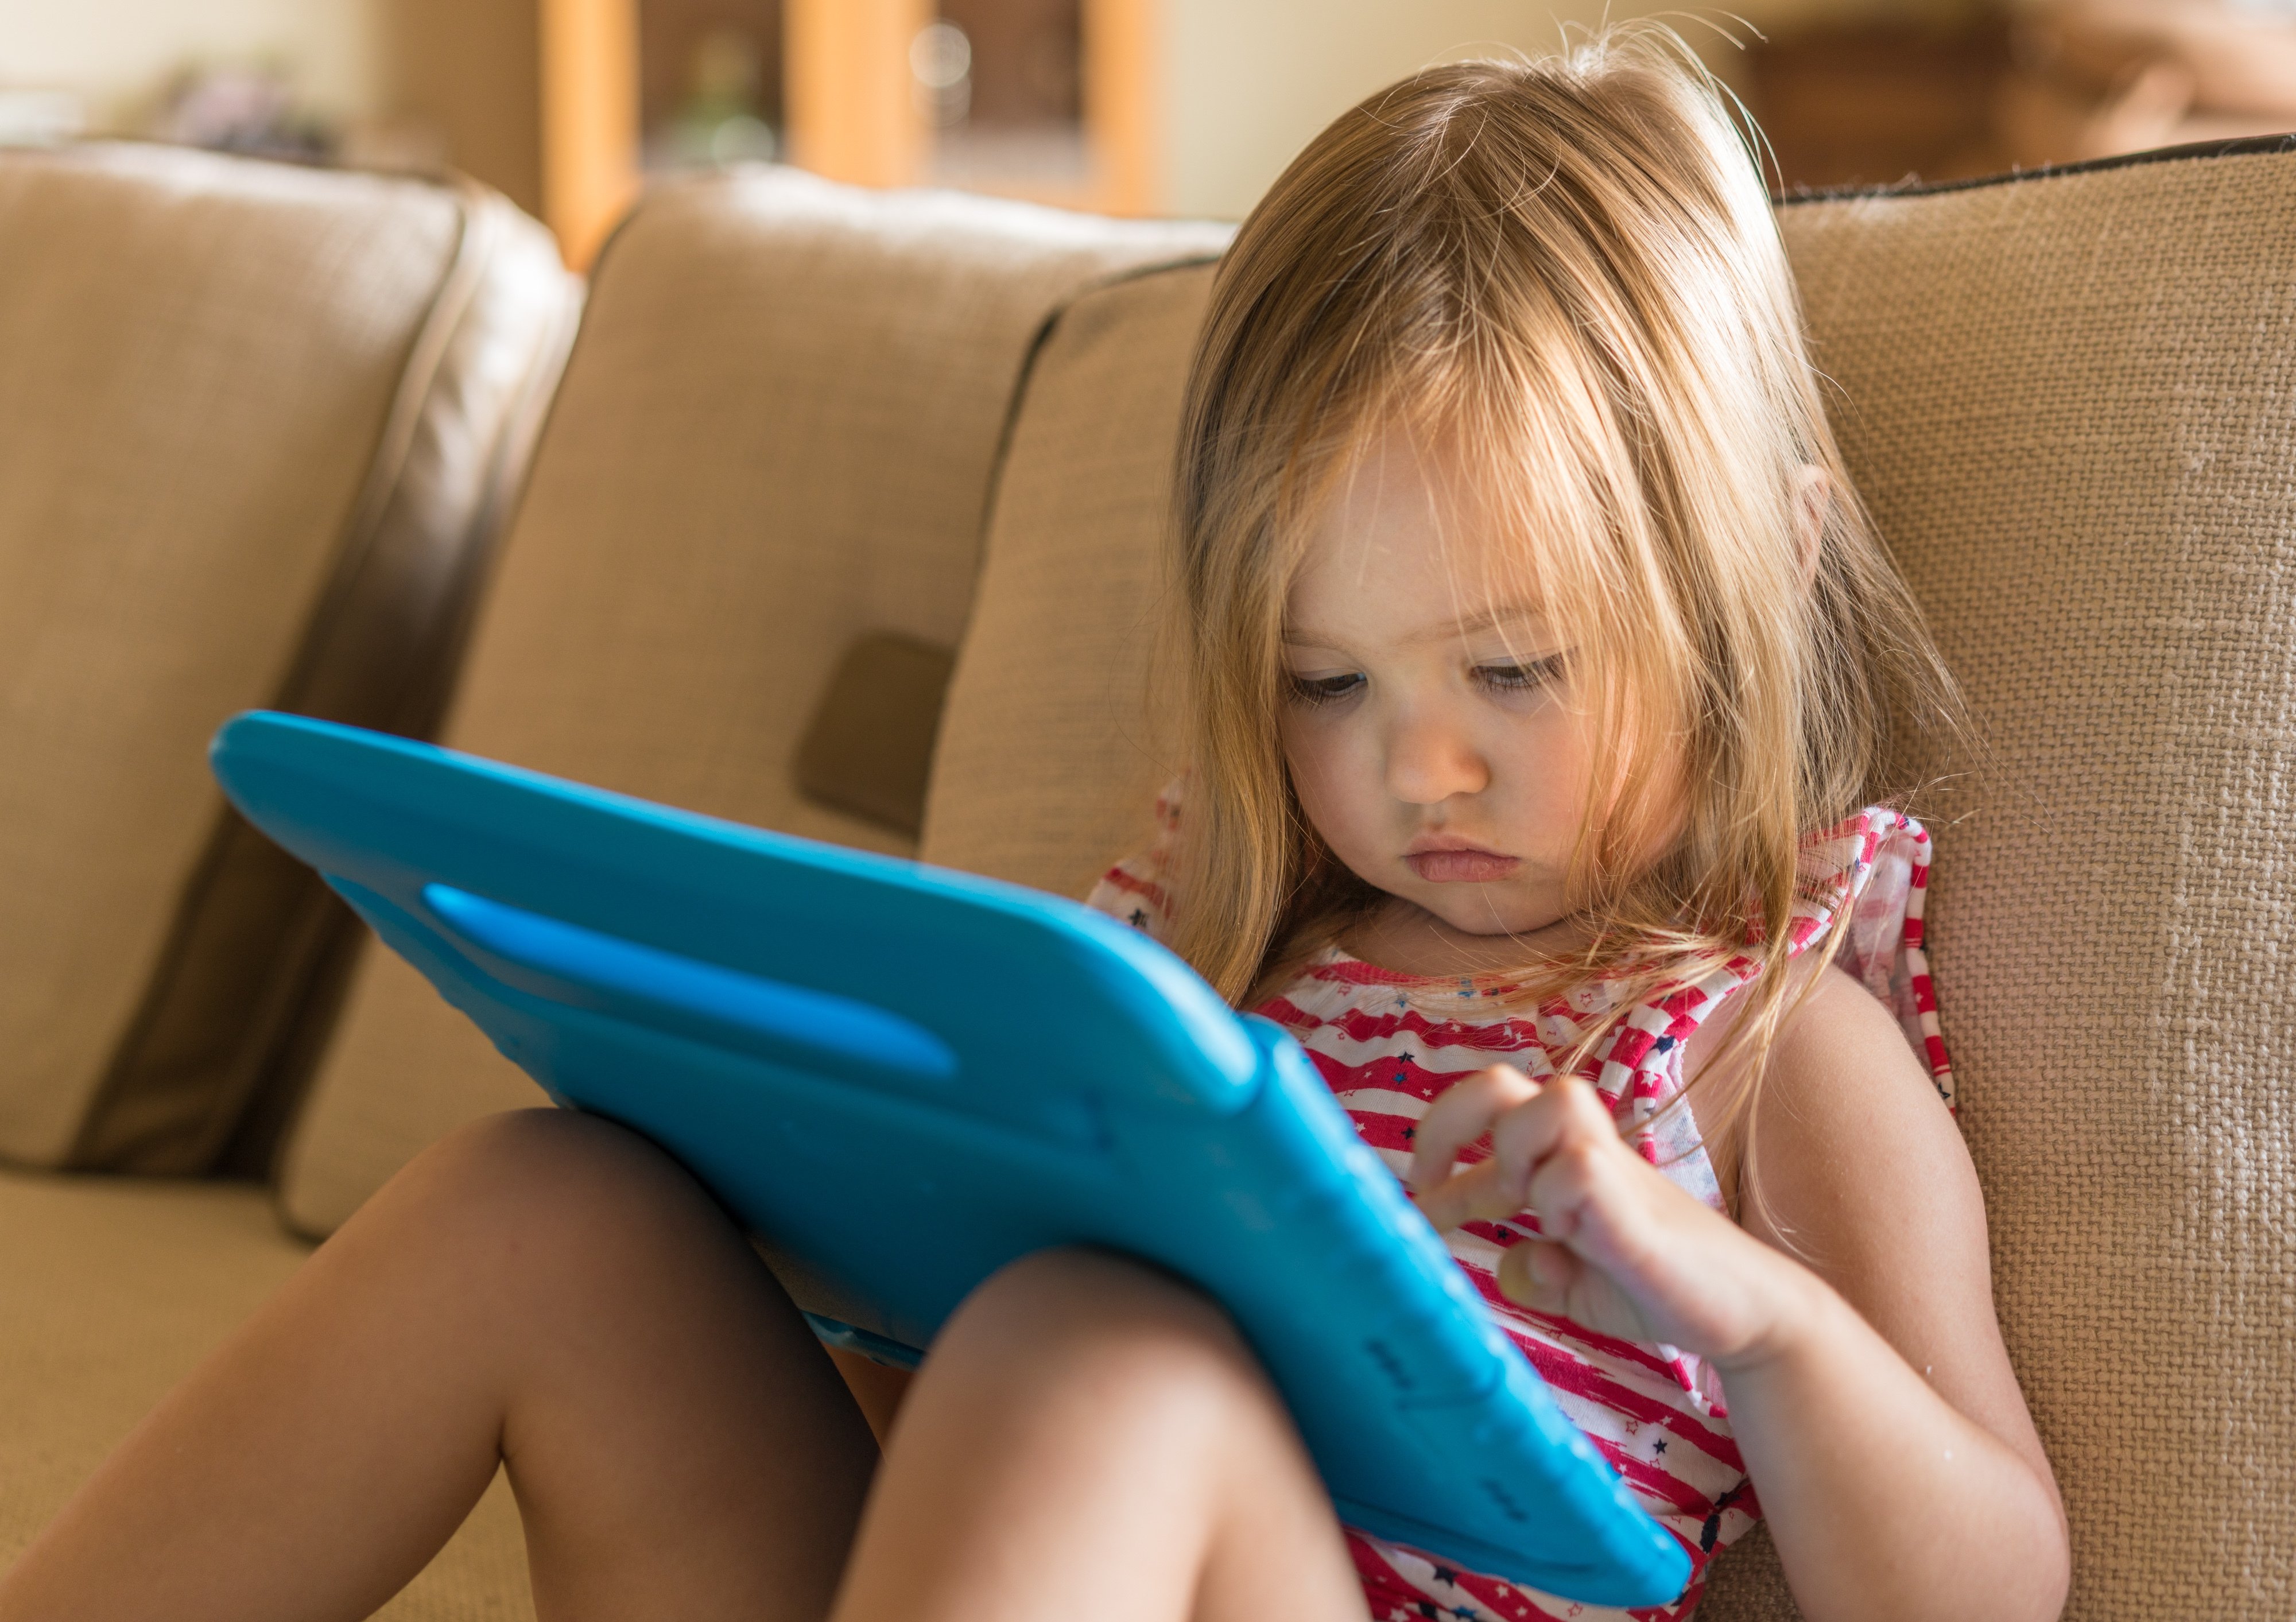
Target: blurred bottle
column 719, row 120
column 250, row 109
column 941, row 62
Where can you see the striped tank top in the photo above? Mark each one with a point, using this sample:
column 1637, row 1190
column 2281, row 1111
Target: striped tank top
column 1388, row 1043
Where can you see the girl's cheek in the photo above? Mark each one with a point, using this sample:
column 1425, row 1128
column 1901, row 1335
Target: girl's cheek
column 1555, row 760
column 1326, row 774
column 1305, row 751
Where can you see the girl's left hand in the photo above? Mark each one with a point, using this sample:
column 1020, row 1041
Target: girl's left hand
column 1625, row 1251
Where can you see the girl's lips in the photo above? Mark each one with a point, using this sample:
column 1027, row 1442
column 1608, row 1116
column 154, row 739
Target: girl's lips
column 1461, row 866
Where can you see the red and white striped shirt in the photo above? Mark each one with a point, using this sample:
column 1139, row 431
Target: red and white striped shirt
column 1388, row 1043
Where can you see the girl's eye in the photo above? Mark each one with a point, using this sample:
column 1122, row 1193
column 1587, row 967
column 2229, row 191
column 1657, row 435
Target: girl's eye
column 1324, row 689
column 1521, row 678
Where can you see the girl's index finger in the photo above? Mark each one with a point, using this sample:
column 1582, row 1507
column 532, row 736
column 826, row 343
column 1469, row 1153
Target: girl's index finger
column 1474, row 1193
column 1523, row 1138
column 1542, row 1118
column 1460, row 1114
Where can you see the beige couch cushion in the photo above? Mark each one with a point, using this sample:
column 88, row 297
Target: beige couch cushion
column 2068, row 400
column 114, row 1290
column 254, row 421
column 1054, row 746
column 2069, row 407
column 776, row 433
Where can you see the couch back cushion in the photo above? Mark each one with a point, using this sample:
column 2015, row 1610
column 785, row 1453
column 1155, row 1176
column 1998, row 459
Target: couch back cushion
column 1058, row 730
column 776, row 437
column 253, row 421
column 2067, row 399
column 2068, row 402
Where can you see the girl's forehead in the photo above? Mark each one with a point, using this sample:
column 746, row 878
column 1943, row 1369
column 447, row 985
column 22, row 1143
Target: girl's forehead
column 1402, row 472
column 1405, row 588
column 1403, row 543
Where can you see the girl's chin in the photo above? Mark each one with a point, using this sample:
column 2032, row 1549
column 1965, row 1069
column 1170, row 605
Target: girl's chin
column 1483, row 911
column 1485, row 928
column 1460, row 934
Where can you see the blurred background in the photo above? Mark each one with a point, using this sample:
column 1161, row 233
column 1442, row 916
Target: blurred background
column 1127, row 106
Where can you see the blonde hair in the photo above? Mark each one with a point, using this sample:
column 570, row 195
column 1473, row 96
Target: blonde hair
column 1569, row 270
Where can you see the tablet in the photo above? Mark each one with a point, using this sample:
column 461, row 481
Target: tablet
column 904, row 1079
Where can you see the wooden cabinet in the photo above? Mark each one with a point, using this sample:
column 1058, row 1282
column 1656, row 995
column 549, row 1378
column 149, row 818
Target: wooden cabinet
column 564, row 103
column 1055, row 100
column 589, row 55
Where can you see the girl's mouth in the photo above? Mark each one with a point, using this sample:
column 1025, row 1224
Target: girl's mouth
column 1468, row 867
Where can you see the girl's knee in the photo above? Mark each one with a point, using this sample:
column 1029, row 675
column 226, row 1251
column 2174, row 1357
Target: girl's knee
column 543, row 1146
column 1078, row 1365
column 525, row 1189
column 1078, row 1290
column 535, row 1162
column 1089, row 1318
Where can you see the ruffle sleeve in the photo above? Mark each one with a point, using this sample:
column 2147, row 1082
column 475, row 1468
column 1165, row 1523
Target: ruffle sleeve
column 1870, row 877
column 1137, row 889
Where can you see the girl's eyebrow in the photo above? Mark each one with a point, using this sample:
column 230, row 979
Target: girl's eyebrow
column 1469, row 624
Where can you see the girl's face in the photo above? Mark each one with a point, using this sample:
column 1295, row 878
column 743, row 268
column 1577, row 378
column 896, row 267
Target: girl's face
column 1430, row 726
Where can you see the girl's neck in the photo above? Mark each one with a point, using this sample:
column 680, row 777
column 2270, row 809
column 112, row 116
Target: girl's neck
column 1407, row 940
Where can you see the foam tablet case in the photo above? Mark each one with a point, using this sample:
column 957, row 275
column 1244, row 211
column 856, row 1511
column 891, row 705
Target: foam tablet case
column 905, row 1078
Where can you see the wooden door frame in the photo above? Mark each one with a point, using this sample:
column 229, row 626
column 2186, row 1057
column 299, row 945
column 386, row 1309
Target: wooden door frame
column 850, row 112
column 590, row 135
column 1123, row 104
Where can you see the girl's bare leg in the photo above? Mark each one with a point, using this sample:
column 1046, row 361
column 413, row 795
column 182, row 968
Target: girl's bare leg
column 541, row 1288
column 549, row 1290
column 1090, row 1439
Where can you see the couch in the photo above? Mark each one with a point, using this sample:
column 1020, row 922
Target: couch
column 844, row 518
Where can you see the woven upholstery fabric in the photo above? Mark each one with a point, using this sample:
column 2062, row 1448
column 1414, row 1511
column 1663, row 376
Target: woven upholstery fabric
column 1055, row 740
column 201, row 354
column 115, row 1290
column 776, row 431
column 2071, row 401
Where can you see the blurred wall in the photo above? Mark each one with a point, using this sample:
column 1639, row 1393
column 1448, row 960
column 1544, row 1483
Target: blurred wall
column 117, row 54
column 1245, row 83
column 1249, row 81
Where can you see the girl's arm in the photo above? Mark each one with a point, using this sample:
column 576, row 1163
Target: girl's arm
column 1868, row 1387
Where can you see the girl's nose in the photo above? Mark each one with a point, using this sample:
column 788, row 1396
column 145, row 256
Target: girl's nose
column 1430, row 760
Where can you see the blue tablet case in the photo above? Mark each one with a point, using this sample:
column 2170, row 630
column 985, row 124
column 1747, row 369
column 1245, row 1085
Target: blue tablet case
column 906, row 1077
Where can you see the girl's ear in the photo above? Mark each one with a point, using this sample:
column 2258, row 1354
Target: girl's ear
column 1813, row 493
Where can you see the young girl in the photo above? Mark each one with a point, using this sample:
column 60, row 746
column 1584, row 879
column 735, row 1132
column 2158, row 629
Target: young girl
column 1540, row 659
